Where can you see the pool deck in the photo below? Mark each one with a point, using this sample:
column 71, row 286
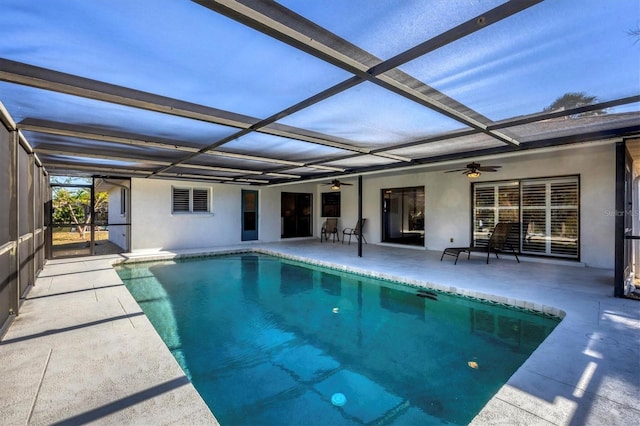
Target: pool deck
column 81, row 350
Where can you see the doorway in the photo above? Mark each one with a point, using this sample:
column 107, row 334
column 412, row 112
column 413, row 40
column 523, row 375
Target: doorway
column 403, row 215
column 249, row 215
column 89, row 216
column 626, row 224
column 295, row 214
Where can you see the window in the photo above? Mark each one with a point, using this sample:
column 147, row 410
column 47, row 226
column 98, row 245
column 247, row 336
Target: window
column 494, row 203
column 200, row 200
column 180, row 200
column 547, row 210
column 190, row 200
column 550, row 215
column 330, row 204
column 123, row 201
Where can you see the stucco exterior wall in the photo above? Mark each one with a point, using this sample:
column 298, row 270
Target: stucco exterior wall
column 155, row 227
column 447, row 199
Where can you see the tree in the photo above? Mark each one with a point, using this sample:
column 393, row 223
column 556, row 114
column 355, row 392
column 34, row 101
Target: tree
column 74, row 206
column 635, row 33
column 572, row 100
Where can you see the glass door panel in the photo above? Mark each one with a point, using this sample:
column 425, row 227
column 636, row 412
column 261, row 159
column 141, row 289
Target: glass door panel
column 295, row 215
column 403, row 215
column 249, row 215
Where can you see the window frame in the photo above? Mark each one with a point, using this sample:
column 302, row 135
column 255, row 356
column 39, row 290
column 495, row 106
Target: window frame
column 193, row 202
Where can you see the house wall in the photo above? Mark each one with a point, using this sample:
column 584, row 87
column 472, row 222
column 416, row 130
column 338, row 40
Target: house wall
column 447, row 199
column 155, row 227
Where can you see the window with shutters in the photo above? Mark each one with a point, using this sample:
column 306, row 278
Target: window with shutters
column 550, row 216
column 493, row 203
column 200, row 200
column 547, row 210
column 190, row 200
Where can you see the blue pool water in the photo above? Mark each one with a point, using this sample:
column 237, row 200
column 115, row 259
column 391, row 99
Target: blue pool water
column 268, row 341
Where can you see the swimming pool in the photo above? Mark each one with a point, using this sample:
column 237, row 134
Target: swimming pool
column 272, row 341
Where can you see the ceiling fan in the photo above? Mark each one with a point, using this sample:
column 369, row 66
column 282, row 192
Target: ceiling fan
column 335, row 184
column 473, row 170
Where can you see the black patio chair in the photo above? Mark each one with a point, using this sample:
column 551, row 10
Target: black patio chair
column 355, row 231
column 500, row 241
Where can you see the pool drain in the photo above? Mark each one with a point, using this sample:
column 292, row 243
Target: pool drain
column 338, row 399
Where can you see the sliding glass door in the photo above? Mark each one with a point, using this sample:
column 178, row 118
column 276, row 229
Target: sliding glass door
column 295, row 211
column 403, row 215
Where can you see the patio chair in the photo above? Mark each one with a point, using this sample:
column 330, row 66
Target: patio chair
column 356, row 231
column 330, row 227
column 500, row 241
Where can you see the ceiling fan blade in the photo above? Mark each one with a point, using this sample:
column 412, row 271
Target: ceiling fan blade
column 456, row 170
column 347, row 184
column 488, row 168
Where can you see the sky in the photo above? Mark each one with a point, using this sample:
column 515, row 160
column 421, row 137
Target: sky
column 179, row 49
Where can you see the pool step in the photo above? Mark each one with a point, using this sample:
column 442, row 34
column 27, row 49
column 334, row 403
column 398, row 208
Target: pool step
column 427, row 294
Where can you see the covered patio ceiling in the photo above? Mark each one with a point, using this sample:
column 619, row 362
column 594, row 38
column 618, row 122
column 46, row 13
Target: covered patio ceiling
column 261, row 92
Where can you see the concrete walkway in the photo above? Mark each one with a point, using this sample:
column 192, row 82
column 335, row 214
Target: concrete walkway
column 81, row 350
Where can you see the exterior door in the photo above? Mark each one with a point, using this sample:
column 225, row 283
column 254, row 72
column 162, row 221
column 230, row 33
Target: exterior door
column 88, row 216
column 295, row 211
column 403, row 215
column 623, row 220
column 249, row 215
column 72, row 219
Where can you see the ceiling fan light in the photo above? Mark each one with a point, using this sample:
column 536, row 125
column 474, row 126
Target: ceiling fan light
column 473, row 174
column 335, row 187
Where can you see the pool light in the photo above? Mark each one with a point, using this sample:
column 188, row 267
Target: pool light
column 338, row 399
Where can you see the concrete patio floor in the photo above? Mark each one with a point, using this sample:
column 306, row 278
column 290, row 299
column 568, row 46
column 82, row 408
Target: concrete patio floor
column 82, row 351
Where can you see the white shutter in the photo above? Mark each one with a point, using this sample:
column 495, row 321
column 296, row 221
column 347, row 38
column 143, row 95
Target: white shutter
column 180, row 200
column 484, row 213
column 200, row 200
column 564, row 218
column 534, row 217
column 550, row 214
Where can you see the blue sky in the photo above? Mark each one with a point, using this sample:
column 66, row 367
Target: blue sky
column 178, row 49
